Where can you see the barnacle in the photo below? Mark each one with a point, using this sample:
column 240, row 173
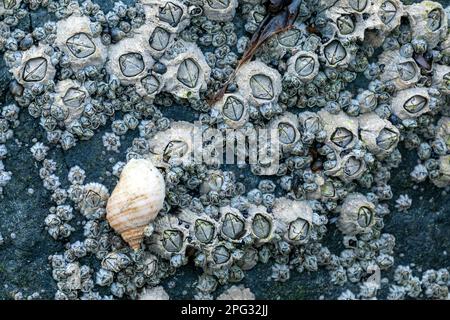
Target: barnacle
column 274, row 86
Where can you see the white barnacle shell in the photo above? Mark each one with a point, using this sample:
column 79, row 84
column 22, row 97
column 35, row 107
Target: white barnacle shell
column 443, row 180
column 233, row 226
column 93, row 201
column 169, row 238
column 411, row 103
column 351, row 167
column 258, row 83
column 136, row 200
column 158, row 37
column 237, row 293
column 220, row 10
column 130, row 59
column 402, row 72
column 286, row 127
column 304, row 65
column 71, row 97
column 233, row 108
column 187, row 71
column 357, row 215
column 202, row 229
column 334, row 53
column 389, row 12
column 380, row 136
column 174, row 145
column 34, row 66
column 260, row 224
column 294, row 220
column 155, row 293
column 75, row 38
column 341, row 129
column 429, row 21
column 218, row 257
column 441, row 78
column 173, row 15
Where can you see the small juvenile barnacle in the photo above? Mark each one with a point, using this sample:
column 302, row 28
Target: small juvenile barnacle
column 234, row 110
column 357, row 215
column 94, row 200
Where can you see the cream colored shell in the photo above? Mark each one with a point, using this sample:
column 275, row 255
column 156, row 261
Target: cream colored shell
column 136, row 200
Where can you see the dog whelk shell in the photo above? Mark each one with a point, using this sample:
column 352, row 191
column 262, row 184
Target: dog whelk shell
column 136, row 200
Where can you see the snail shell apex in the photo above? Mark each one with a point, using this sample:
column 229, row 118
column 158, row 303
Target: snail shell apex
column 136, row 200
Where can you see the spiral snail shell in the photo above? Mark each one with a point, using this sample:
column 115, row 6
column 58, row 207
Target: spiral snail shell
column 136, row 200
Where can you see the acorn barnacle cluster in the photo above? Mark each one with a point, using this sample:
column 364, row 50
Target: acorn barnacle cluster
column 177, row 87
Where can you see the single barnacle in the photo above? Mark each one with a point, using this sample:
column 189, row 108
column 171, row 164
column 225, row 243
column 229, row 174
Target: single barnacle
column 334, row 53
column 379, row 135
column 232, row 225
column 234, row 110
column 294, row 220
column 389, row 12
column 258, row 83
column 169, row 238
column 34, row 66
column 75, row 38
column 411, row 103
column 172, row 15
column 188, row 67
column 71, row 97
column 342, row 130
column 94, row 200
column 402, row 72
column 305, row 65
column 130, row 59
column 429, row 21
column 220, row 10
column 260, row 224
column 175, row 144
column 357, row 215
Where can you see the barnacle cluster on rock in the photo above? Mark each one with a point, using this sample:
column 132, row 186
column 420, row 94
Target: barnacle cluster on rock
column 338, row 143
